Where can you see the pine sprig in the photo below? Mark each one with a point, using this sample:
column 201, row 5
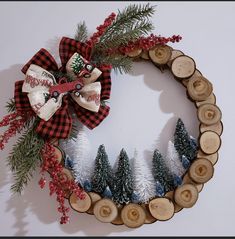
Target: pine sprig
column 24, row 158
column 11, row 107
column 120, row 63
column 130, row 24
column 81, row 33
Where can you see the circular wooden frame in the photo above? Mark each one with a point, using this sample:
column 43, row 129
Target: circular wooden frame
column 200, row 91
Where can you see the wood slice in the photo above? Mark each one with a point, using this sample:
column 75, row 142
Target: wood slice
column 177, row 208
column 145, row 55
column 161, row 208
column 188, row 180
column 133, row 215
column 149, row 218
column 209, row 114
column 118, row 220
column 210, row 100
column 59, row 153
column 134, row 53
column 211, row 157
column 183, row 67
column 217, row 128
column 169, row 195
column 209, row 142
column 199, row 88
column 67, row 175
column 186, row 195
column 160, row 54
column 94, row 198
column 201, row 170
column 174, row 54
column 185, row 81
column 105, row 210
column 80, row 205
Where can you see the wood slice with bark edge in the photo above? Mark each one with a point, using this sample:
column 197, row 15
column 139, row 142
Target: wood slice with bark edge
column 80, row 205
column 67, row 175
column 211, row 157
column 133, row 215
column 195, row 74
column 118, row 220
column 170, row 195
column 149, row 218
column 199, row 88
column 217, row 128
column 209, row 114
column 187, row 179
column 160, row 54
column 145, row 55
column 183, row 67
column 94, row 198
column 210, row 100
column 174, row 54
column 162, row 208
column 209, row 142
column 135, row 53
column 201, row 170
column 105, row 210
column 186, row 195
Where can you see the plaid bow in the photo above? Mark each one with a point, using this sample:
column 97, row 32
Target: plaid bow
column 60, row 124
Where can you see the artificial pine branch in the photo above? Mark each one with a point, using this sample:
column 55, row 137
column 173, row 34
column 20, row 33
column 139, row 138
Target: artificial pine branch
column 11, row 107
column 81, row 34
column 119, row 63
column 130, row 24
column 24, row 158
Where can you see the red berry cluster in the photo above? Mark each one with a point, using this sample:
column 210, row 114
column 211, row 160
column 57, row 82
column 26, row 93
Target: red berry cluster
column 16, row 122
column 144, row 43
column 59, row 183
column 101, row 29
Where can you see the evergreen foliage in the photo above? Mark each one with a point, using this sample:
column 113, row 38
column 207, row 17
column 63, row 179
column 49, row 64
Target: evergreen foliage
column 161, row 173
column 102, row 176
column 183, row 143
column 24, row 158
column 130, row 24
column 11, row 107
column 123, row 184
column 81, row 33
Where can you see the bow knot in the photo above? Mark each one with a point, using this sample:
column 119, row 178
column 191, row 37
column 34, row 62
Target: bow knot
column 49, row 97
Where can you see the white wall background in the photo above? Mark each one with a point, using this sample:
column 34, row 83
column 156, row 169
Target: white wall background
column 144, row 109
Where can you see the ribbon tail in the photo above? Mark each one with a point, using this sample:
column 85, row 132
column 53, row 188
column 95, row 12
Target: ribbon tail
column 42, row 58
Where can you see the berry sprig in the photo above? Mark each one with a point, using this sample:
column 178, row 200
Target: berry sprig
column 144, row 43
column 101, row 29
column 16, row 122
column 59, row 183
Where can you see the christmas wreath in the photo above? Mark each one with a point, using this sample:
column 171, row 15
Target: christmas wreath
column 52, row 103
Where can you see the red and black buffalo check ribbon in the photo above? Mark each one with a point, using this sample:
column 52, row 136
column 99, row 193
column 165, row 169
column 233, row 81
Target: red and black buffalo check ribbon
column 59, row 125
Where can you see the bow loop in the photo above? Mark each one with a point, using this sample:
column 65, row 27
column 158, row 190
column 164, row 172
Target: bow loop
column 69, row 46
column 49, row 97
column 43, row 59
